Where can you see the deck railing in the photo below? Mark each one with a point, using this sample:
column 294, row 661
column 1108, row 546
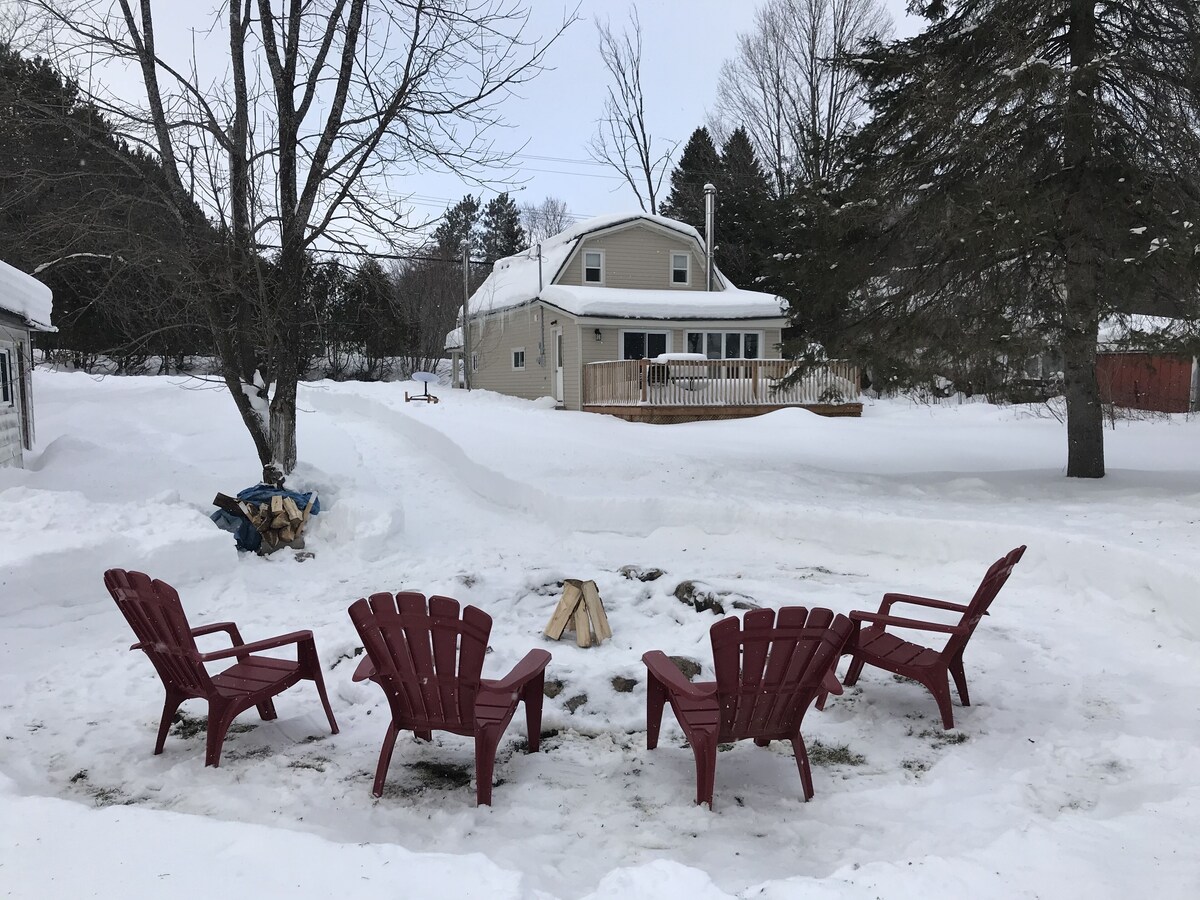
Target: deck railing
column 715, row 382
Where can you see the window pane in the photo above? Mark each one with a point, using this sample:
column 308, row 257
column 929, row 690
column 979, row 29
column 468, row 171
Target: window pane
column 695, row 342
column 634, row 345
column 713, row 350
column 592, row 267
column 679, row 268
column 592, row 259
column 751, row 349
column 655, row 344
column 733, row 346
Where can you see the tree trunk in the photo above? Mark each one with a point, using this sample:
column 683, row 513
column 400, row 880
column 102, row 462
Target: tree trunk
column 283, row 425
column 1081, row 321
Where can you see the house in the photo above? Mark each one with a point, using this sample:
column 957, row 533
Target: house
column 24, row 308
column 622, row 314
column 1133, row 371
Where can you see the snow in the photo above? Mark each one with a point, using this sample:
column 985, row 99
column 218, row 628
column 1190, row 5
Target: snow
column 26, row 297
column 1121, row 329
column 1072, row 774
column 515, row 280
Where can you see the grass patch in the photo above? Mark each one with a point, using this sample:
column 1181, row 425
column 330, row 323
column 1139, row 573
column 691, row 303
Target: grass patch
column 188, row 727
column 441, row 775
column 939, row 739
column 824, row 755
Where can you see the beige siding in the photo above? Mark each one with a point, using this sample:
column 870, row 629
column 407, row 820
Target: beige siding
column 637, row 257
column 494, row 339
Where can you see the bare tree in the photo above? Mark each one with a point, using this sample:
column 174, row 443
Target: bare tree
column 545, row 219
column 296, row 146
column 622, row 139
column 786, row 87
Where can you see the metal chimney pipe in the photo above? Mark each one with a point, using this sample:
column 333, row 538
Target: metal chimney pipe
column 710, row 202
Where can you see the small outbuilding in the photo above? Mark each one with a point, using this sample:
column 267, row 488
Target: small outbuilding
column 1134, row 372
column 25, row 307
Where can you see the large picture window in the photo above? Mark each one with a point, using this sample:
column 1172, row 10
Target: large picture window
column 644, row 344
column 726, row 344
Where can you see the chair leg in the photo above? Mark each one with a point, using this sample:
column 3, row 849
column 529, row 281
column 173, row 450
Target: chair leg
column 426, row 736
column 821, row 698
column 533, row 695
column 220, row 717
column 704, row 748
column 320, row 682
column 802, row 764
column 852, row 673
column 656, row 697
column 170, row 707
column 385, row 758
column 960, row 680
column 939, row 686
column 266, row 710
column 486, row 740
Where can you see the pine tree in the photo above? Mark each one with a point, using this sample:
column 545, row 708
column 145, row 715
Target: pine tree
column 1032, row 165
column 502, row 232
column 699, row 164
column 747, row 222
column 459, row 225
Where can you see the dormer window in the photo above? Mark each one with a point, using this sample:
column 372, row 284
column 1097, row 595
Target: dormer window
column 593, row 267
column 681, row 269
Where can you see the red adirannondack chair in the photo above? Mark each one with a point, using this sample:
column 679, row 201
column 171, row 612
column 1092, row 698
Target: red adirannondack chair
column 875, row 645
column 156, row 616
column 428, row 660
column 768, row 673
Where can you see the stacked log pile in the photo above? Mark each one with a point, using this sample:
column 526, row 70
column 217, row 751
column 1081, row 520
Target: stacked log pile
column 279, row 520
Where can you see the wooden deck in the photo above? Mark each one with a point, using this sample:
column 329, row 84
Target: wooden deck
column 706, row 390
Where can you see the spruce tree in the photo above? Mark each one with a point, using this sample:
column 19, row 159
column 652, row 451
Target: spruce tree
column 698, row 164
column 502, row 232
column 1031, row 168
column 747, row 222
column 459, row 225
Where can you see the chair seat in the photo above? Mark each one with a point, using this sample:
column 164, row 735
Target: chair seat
column 882, row 646
column 257, row 673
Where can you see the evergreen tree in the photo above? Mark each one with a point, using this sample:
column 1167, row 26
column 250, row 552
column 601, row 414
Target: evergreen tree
column 747, row 222
column 1032, row 168
column 699, row 164
column 502, row 232
column 460, row 224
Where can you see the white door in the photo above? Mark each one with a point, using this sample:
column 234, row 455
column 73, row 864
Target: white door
column 556, row 341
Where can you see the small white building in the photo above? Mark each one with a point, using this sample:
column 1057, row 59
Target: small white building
column 25, row 307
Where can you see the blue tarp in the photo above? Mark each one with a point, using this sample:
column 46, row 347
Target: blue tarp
column 246, row 535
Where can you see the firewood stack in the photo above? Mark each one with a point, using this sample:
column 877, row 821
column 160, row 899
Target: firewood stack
column 280, row 522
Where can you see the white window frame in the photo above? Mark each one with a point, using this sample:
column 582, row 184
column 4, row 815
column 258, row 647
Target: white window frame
column 723, row 332
column 8, row 390
column 687, row 269
column 583, row 272
column 515, row 351
column 646, row 331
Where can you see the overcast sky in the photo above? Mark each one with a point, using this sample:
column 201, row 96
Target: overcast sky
column 684, row 44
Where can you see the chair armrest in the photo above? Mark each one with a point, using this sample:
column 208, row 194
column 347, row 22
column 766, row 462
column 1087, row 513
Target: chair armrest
column 660, row 666
column 522, row 673
column 296, row 637
column 885, row 607
column 365, row 670
column 878, row 619
column 830, row 683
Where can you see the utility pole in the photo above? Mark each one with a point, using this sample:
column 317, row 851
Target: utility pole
column 466, row 328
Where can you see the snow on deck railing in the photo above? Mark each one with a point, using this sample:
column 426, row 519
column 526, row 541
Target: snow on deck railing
column 715, row 382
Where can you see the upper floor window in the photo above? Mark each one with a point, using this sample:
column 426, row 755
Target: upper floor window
column 681, row 268
column 593, row 267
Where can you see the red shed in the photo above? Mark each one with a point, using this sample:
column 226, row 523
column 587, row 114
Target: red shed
column 1147, row 380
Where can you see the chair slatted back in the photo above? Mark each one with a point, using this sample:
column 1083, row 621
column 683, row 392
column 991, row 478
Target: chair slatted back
column 427, row 658
column 993, row 580
column 154, row 612
column 769, row 670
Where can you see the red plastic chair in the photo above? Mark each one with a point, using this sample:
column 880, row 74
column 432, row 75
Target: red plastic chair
column 768, row 673
column 428, row 661
column 156, row 616
column 876, row 646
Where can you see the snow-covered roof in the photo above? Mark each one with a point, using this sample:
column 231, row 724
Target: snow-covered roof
column 25, row 297
column 515, row 280
column 1120, row 330
column 454, row 340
